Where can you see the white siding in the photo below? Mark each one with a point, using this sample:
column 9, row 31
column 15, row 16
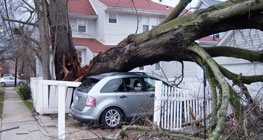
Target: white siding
column 126, row 25
column 101, row 20
column 247, row 39
column 92, row 28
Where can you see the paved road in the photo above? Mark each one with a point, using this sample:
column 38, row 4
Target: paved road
column 17, row 121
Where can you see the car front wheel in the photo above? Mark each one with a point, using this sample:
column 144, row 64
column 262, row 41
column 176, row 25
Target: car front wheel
column 112, row 118
column 2, row 84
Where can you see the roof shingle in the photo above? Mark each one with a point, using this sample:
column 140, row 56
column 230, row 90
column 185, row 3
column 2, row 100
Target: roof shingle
column 139, row 4
column 94, row 45
column 80, row 7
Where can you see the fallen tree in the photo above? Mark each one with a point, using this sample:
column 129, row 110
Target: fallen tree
column 173, row 40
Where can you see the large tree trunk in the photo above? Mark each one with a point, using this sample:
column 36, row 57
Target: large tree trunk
column 67, row 62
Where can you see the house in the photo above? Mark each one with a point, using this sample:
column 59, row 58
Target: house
column 98, row 25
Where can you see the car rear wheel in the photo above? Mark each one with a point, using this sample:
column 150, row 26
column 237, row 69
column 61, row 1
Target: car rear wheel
column 2, row 84
column 112, row 118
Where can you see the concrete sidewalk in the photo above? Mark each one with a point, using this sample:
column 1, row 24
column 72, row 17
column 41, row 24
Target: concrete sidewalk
column 17, row 121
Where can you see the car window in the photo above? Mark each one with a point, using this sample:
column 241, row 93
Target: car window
column 132, row 84
column 149, row 83
column 87, row 84
column 113, row 86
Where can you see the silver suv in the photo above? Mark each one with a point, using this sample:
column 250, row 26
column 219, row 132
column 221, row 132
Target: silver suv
column 112, row 98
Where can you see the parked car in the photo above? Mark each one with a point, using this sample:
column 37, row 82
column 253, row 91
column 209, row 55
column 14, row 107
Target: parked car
column 110, row 99
column 7, row 75
column 10, row 81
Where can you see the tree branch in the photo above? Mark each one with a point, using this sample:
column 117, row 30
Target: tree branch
column 31, row 7
column 24, row 36
column 222, row 83
column 19, row 21
column 122, row 133
column 211, row 16
column 227, row 51
column 177, row 11
column 236, row 78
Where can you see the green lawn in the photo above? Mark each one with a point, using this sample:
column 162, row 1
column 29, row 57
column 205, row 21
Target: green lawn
column 1, row 101
column 28, row 103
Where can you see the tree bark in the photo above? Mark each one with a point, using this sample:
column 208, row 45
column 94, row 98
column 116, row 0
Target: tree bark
column 43, row 32
column 67, row 63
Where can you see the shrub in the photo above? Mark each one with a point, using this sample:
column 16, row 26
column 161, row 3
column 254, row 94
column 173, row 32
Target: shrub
column 25, row 92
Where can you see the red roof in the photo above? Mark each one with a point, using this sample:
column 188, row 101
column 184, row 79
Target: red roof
column 94, row 45
column 139, row 4
column 80, row 7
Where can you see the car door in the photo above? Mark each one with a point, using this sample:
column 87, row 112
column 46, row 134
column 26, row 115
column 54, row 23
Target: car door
column 149, row 88
column 131, row 97
column 10, row 81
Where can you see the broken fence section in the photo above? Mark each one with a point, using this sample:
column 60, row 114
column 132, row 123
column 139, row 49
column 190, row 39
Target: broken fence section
column 45, row 94
column 173, row 107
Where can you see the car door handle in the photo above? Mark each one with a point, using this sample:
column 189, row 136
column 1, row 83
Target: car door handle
column 123, row 96
column 152, row 95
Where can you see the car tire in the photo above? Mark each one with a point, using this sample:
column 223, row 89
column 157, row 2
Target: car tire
column 21, row 84
column 112, row 118
column 2, row 84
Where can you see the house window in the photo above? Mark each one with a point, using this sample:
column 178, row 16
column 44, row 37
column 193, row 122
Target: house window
column 81, row 25
column 145, row 28
column 112, row 18
column 157, row 66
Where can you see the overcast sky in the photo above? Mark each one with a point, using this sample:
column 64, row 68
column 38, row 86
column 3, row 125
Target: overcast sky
column 168, row 2
column 173, row 3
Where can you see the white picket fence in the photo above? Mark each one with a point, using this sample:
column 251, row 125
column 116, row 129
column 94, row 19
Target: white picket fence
column 45, row 94
column 173, row 107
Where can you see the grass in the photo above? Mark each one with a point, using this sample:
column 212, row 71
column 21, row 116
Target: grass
column 28, row 103
column 1, row 101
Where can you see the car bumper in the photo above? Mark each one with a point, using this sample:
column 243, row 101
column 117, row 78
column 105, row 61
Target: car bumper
column 85, row 116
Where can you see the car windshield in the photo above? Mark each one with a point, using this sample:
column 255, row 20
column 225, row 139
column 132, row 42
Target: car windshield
column 87, row 84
